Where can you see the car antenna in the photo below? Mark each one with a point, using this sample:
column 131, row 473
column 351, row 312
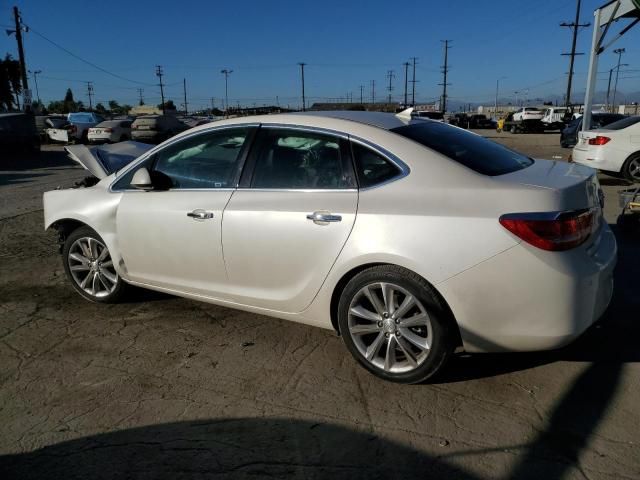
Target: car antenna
column 405, row 114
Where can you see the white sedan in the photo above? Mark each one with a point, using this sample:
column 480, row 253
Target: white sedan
column 110, row 131
column 615, row 148
column 411, row 238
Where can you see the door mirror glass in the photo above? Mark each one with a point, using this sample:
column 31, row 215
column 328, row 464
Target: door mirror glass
column 142, row 179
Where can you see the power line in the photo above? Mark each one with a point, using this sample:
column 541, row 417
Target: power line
column 103, row 70
column 159, row 75
column 413, row 83
column 574, row 25
column 302, row 64
column 445, row 70
column 390, row 76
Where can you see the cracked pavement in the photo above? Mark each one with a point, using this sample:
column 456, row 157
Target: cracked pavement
column 162, row 387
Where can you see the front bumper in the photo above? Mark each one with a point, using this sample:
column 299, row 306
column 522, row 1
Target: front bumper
column 527, row 299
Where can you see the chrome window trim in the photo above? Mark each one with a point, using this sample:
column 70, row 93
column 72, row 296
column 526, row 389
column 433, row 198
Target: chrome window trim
column 403, row 167
column 154, row 150
column 297, row 190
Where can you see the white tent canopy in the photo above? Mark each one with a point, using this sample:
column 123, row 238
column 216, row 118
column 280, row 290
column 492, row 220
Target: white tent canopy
column 605, row 17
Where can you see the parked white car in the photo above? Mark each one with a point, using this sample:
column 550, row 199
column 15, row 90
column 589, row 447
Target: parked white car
column 528, row 113
column 76, row 129
column 409, row 237
column 615, row 148
column 110, row 131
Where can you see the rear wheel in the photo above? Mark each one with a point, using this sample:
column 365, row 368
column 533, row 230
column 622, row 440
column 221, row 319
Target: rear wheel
column 395, row 325
column 88, row 264
column 631, row 168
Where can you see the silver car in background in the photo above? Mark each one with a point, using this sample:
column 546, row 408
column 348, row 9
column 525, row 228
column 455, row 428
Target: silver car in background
column 409, row 237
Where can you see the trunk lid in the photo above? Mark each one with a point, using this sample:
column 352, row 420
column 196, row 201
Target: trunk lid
column 577, row 185
column 103, row 160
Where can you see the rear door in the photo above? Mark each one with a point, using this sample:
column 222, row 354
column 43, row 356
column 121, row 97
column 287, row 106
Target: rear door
column 284, row 228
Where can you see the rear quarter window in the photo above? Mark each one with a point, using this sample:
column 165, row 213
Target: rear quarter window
column 471, row 150
column 624, row 123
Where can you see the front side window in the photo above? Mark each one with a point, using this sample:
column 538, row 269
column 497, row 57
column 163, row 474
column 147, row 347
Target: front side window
column 292, row 159
column 209, row 160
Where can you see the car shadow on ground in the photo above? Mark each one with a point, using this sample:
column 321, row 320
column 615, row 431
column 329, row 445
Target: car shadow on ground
column 10, row 178
column 16, row 161
column 285, row 447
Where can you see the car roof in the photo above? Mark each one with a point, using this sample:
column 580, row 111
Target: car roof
column 386, row 121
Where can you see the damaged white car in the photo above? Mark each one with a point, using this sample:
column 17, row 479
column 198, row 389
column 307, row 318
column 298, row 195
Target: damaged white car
column 409, row 237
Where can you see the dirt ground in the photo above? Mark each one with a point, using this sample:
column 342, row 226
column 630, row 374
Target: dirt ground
column 162, row 387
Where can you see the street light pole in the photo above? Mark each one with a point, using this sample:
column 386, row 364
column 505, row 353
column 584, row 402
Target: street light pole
column 304, row 106
column 226, row 72
column 35, row 80
column 495, row 112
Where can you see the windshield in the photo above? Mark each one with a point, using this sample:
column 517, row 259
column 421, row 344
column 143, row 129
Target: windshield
column 81, row 117
column 624, row 123
column 471, row 150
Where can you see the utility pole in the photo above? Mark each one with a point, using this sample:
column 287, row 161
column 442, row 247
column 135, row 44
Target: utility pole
column 373, row 91
column 390, row 76
column 574, row 25
column 406, row 78
column 23, row 66
column 413, row 83
column 361, row 91
column 90, row 94
column 184, row 89
column 496, row 104
column 35, row 80
column 140, row 90
column 304, row 106
column 226, row 72
column 619, row 51
column 445, row 70
column 159, row 75
column 213, row 104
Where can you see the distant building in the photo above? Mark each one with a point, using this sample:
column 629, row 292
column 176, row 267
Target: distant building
column 632, row 109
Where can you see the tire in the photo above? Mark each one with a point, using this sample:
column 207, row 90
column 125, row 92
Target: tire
column 631, row 168
column 379, row 342
column 103, row 284
column 514, row 129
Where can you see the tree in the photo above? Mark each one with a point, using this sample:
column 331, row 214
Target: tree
column 10, row 86
column 114, row 106
column 168, row 105
column 69, row 105
column 100, row 109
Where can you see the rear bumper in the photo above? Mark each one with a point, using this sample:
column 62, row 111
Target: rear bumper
column 147, row 136
column 596, row 158
column 527, row 299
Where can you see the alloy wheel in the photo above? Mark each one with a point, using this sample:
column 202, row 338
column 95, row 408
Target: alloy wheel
column 91, row 267
column 634, row 169
column 390, row 327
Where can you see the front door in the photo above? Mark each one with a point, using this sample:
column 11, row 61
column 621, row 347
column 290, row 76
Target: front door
column 283, row 232
column 171, row 237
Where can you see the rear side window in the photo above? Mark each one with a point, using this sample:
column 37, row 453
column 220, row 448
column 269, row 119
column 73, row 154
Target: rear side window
column 624, row 123
column 371, row 167
column 471, row 150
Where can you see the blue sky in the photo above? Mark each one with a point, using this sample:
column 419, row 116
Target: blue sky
column 345, row 44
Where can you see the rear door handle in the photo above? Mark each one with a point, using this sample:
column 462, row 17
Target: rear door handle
column 322, row 218
column 200, row 214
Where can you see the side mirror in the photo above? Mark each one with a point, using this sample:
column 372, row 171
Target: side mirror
column 142, row 180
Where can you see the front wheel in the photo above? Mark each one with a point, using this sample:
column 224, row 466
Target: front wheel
column 88, row 264
column 395, row 325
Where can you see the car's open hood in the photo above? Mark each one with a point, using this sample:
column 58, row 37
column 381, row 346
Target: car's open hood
column 105, row 159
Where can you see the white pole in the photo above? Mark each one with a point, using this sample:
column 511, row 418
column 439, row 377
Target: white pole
column 592, row 75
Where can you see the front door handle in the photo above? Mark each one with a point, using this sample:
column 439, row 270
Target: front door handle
column 200, row 214
column 322, row 218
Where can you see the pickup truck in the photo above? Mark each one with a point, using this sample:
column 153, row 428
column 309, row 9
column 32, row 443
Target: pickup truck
column 527, row 113
column 526, row 120
column 554, row 118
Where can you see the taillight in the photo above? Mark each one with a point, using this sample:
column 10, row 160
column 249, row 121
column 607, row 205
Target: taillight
column 551, row 231
column 73, row 128
column 108, row 130
column 599, row 140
